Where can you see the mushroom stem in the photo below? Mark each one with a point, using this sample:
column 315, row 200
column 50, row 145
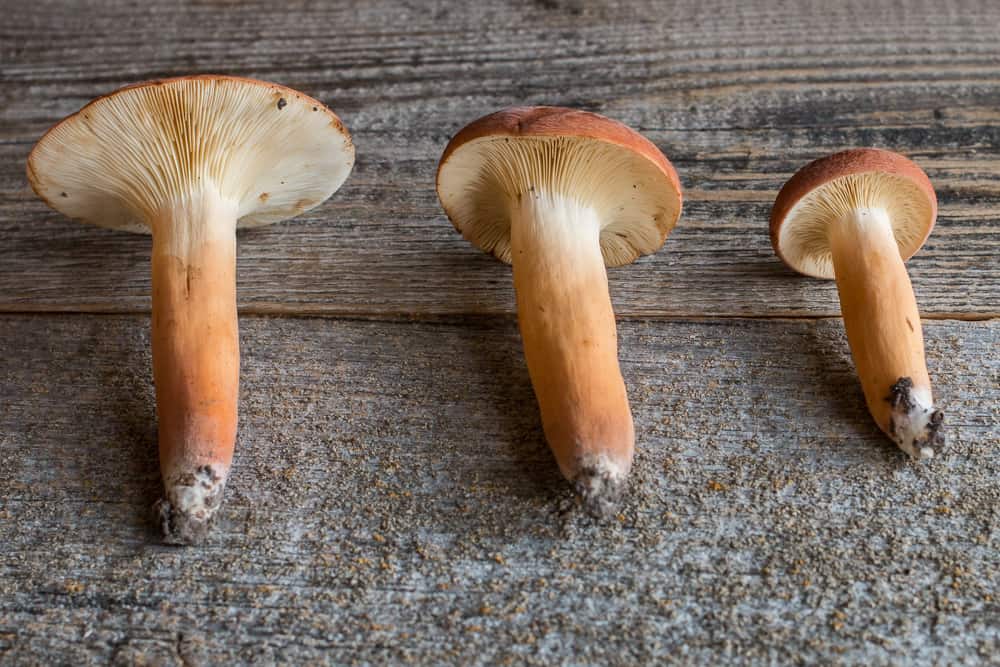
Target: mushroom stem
column 883, row 329
column 196, row 358
column 571, row 344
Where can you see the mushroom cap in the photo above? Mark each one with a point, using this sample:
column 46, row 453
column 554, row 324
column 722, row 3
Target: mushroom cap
column 494, row 161
column 823, row 191
column 124, row 156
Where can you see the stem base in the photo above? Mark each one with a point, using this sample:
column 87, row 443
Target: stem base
column 600, row 483
column 914, row 423
column 189, row 504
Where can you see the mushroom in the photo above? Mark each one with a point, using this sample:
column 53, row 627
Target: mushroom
column 560, row 194
column 190, row 160
column 855, row 216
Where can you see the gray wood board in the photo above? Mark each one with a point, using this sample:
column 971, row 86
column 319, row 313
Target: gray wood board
column 738, row 95
column 393, row 500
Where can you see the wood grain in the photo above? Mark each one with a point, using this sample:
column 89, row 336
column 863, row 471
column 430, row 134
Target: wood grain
column 738, row 95
column 393, row 500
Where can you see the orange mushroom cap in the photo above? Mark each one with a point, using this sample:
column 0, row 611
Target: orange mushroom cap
column 598, row 161
column 823, row 191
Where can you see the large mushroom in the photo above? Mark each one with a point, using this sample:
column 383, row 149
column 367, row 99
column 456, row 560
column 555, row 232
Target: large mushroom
column 189, row 160
column 560, row 194
column 856, row 216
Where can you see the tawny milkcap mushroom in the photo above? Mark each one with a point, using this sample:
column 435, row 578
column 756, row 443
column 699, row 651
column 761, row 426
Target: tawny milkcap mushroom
column 560, row 194
column 190, row 160
column 856, row 216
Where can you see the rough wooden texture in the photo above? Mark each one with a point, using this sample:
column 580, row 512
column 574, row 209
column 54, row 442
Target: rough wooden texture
column 392, row 498
column 739, row 95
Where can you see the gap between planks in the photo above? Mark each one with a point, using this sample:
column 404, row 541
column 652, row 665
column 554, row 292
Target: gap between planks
column 319, row 312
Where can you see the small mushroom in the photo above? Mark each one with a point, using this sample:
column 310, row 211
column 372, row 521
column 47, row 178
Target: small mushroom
column 190, row 160
column 855, row 216
column 560, row 194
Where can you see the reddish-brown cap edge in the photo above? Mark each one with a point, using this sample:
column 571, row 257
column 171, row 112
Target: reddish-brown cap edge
column 845, row 163
column 544, row 121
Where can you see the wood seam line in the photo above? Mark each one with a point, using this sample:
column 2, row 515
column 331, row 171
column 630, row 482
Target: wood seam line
column 403, row 317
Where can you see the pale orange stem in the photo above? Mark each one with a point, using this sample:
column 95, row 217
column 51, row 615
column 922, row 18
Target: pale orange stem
column 196, row 358
column 571, row 344
column 883, row 329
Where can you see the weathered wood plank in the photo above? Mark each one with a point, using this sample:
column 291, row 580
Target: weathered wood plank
column 738, row 95
column 393, row 501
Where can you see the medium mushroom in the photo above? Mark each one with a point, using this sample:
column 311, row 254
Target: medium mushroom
column 560, row 194
column 855, row 216
column 189, row 160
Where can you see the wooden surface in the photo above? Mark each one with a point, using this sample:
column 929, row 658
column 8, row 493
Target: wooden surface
column 392, row 498
column 737, row 95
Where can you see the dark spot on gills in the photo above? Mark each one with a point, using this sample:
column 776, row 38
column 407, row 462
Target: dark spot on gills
column 282, row 103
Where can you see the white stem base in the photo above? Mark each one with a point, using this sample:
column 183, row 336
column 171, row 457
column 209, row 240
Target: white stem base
column 600, row 481
column 189, row 503
column 914, row 423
